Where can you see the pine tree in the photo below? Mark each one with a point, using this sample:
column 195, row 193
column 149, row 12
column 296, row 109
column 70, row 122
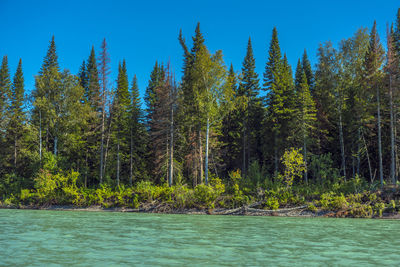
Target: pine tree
column 15, row 129
column 5, row 88
column 278, row 84
column 51, row 59
column 306, row 65
column 122, row 129
column 138, row 137
column 373, row 61
column 249, row 89
column 189, row 116
column 392, row 73
column 93, row 85
column 232, row 128
column 307, row 110
column 83, row 75
column 104, row 62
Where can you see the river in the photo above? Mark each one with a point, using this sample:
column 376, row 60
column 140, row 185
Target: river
column 46, row 238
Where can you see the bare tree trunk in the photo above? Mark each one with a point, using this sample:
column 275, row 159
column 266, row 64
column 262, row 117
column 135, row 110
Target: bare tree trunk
column 369, row 162
column 200, row 157
column 305, row 157
column 15, row 152
column 276, row 152
column 379, row 137
column 207, row 140
column 358, row 149
column 102, row 142
column 244, row 150
column 342, row 142
column 40, row 137
column 118, row 163
column 86, row 168
column 131, row 161
column 392, row 155
column 107, row 144
column 171, row 152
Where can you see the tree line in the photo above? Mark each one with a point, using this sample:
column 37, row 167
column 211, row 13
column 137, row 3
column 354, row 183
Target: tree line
column 342, row 114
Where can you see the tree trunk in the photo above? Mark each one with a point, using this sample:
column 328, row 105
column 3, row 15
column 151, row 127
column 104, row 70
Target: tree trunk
column 40, row 137
column 392, row 155
column 200, row 157
column 131, row 161
column 305, row 157
column 55, row 145
column 118, row 163
column 15, row 153
column 342, row 143
column 102, row 144
column 171, row 151
column 107, row 145
column 358, row 149
column 207, row 140
column 369, row 162
column 244, row 150
column 379, row 137
column 276, row 152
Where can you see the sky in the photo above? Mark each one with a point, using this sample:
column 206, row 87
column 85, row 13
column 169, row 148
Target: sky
column 143, row 32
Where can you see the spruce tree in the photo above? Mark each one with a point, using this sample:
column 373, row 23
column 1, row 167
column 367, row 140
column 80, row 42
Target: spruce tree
column 306, row 65
column 93, row 85
column 307, row 112
column 138, row 136
column 5, row 88
column 15, row 129
column 249, row 88
column 373, row 76
column 51, row 59
column 278, row 84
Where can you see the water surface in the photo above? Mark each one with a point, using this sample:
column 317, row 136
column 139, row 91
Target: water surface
column 45, row 238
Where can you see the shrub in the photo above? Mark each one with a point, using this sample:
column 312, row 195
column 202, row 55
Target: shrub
column 294, row 166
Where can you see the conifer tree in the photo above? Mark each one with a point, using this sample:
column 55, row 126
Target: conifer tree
column 306, row 108
column 138, row 136
column 373, row 61
column 5, row 88
column 82, row 75
column 249, row 89
column 104, row 62
column 15, row 129
column 306, row 65
column 93, row 85
column 51, row 59
column 122, row 128
column 278, row 84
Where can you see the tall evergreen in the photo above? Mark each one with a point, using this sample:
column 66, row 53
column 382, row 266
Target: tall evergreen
column 373, row 76
column 15, row 129
column 51, row 58
column 5, row 88
column 278, row 84
column 138, row 136
column 307, row 116
column 306, row 65
column 93, row 85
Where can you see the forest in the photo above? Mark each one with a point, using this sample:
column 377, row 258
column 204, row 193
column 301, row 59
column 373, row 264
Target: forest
column 218, row 137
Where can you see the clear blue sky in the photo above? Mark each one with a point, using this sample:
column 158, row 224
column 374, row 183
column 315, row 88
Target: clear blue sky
column 145, row 31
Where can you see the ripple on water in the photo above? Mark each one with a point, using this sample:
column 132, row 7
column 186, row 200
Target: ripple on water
column 55, row 238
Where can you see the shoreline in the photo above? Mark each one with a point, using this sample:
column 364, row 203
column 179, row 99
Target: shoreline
column 300, row 211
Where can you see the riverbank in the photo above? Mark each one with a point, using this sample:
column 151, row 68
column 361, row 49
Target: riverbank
column 299, row 211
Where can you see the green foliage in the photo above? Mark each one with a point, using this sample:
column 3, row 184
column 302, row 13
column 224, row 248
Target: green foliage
column 293, row 163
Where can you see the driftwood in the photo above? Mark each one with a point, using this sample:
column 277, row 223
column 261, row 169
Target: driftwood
column 251, row 211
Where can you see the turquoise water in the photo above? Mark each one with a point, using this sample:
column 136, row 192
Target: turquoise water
column 43, row 238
